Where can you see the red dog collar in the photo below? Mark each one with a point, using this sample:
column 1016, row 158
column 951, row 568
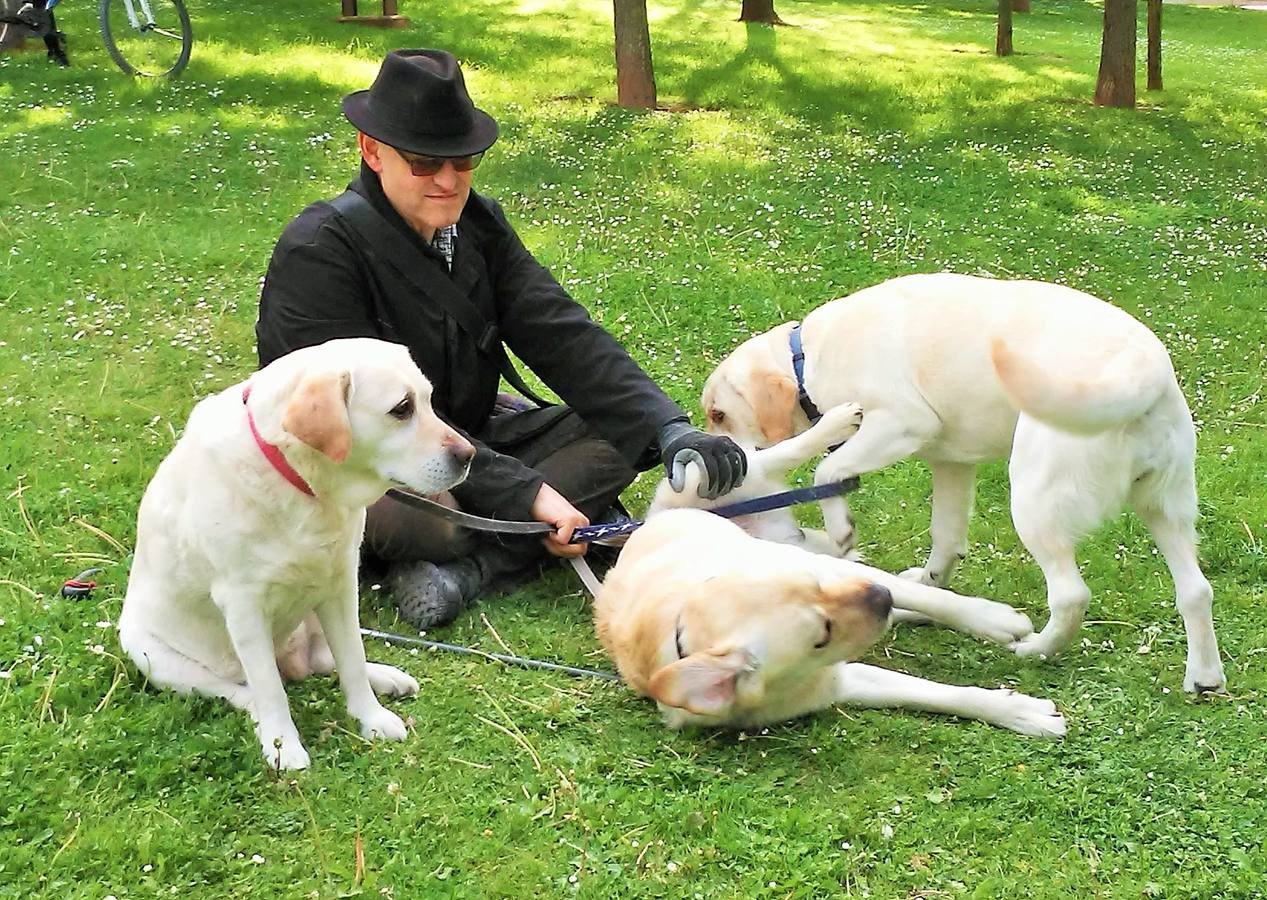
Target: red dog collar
column 271, row 453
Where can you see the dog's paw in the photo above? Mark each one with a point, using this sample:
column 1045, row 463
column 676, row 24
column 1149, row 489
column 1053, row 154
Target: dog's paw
column 1036, row 646
column 1205, row 679
column 384, row 724
column 1029, row 715
column 999, row 623
column 919, row 575
column 286, row 754
column 841, row 421
column 388, row 681
column 842, row 540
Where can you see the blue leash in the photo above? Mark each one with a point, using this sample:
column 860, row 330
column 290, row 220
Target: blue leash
column 586, row 534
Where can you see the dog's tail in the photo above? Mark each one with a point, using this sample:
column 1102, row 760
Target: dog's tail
column 1088, row 389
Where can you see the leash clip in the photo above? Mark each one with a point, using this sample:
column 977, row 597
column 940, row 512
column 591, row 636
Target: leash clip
column 80, row 585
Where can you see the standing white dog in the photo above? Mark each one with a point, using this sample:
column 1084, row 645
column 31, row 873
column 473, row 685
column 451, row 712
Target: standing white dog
column 958, row 371
column 248, row 534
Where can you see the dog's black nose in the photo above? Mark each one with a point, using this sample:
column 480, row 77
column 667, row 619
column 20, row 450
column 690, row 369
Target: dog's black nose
column 880, row 600
column 461, row 450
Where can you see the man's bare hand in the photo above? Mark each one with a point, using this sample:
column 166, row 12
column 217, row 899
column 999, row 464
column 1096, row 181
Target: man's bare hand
column 553, row 508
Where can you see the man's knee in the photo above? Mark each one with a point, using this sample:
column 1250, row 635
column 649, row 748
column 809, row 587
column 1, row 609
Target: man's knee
column 589, row 472
column 397, row 532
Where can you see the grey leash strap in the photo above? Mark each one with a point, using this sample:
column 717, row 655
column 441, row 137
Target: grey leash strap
column 586, row 574
column 589, row 534
column 582, row 568
column 521, row 662
column 466, row 520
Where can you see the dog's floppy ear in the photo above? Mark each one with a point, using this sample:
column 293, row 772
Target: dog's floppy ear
column 317, row 414
column 702, row 683
column 773, row 400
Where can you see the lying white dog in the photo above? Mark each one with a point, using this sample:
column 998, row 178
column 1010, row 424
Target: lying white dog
column 724, row 629
column 768, row 468
column 957, row 371
column 248, row 534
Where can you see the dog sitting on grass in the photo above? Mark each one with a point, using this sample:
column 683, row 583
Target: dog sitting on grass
column 248, row 535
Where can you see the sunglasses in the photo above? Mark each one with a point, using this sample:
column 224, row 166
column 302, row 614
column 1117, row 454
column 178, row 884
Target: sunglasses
column 430, row 165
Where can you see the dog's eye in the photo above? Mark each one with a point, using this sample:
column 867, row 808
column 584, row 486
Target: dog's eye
column 716, row 416
column 826, row 635
column 402, row 410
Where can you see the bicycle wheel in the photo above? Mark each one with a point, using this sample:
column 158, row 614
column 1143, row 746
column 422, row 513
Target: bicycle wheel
column 147, row 37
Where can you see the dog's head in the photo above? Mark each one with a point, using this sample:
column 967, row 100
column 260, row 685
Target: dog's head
column 740, row 638
column 751, row 395
column 358, row 412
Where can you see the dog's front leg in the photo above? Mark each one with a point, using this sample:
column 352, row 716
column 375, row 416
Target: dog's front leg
column 952, row 507
column 341, row 626
column 875, row 688
column 252, row 638
column 989, row 620
column 883, row 439
column 836, row 426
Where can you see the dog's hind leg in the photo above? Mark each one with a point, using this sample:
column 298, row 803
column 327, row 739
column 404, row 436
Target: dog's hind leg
column 1167, row 502
column 1063, row 486
column 165, row 667
column 385, row 680
column 871, row 687
column 953, row 485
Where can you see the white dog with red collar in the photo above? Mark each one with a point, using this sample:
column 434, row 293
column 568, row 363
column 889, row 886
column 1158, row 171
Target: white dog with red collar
column 248, row 534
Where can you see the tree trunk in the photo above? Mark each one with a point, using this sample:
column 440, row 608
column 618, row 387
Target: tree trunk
column 1020, row 6
column 1154, row 45
column 759, row 11
column 635, row 78
column 1003, row 37
column 1116, row 83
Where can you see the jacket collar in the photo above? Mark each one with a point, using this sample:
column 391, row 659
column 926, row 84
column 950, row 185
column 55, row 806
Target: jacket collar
column 369, row 186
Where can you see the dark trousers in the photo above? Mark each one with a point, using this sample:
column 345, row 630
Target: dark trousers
column 578, row 464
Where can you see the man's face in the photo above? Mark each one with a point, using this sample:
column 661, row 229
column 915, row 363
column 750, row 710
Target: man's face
column 427, row 202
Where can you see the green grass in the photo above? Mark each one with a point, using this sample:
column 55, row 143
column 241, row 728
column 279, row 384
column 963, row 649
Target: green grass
column 872, row 140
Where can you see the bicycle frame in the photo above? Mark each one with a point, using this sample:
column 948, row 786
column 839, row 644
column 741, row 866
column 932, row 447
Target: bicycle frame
column 145, row 8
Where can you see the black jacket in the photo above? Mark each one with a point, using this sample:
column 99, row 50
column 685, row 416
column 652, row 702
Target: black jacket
column 321, row 285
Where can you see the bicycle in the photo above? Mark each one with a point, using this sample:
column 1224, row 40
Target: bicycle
column 150, row 38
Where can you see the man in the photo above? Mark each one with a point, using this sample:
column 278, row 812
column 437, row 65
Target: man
column 411, row 254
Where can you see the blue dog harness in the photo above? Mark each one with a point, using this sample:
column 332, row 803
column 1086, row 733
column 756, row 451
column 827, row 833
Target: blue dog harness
column 798, row 366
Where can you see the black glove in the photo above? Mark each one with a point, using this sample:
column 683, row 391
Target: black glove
column 722, row 460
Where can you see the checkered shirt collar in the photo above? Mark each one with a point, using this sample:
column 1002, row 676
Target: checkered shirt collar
column 443, row 241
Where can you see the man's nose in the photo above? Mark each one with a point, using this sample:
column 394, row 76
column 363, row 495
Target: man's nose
column 447, row 177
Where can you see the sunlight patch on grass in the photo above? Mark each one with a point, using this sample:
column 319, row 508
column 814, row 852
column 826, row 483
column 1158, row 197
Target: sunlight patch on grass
column 311, row 62
column 38, row 116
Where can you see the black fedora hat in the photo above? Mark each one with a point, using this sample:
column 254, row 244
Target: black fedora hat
column 419, row 103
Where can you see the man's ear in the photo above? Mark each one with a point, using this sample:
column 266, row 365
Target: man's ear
column 317, row 414
column 773, row 400
column 702, row 683
column 369, row 151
